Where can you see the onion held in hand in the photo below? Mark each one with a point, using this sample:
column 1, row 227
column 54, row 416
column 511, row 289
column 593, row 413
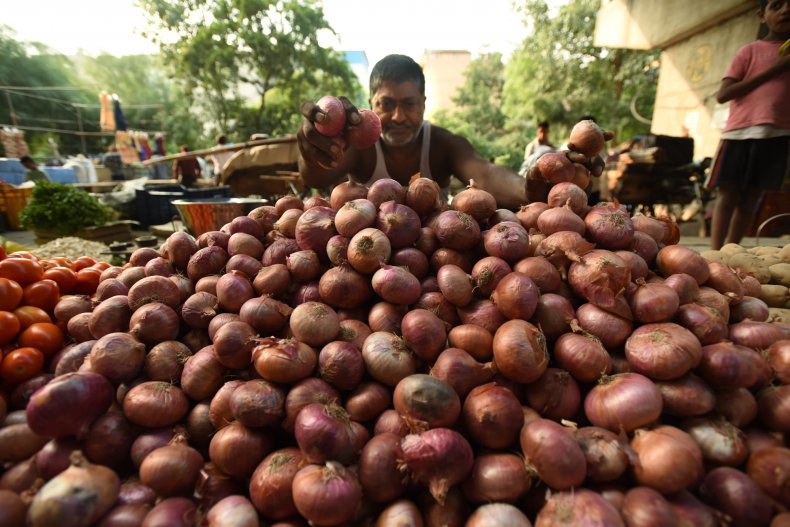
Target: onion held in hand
column 333, row 118
column 367, row 132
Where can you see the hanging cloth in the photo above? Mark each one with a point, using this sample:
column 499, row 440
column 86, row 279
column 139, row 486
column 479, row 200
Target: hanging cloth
column 145, row 147
column 159, row 139
column 106, row 116
column 125, row 147
column 120, row 120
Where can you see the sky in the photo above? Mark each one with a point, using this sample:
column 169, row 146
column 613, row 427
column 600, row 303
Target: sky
column 377, row 27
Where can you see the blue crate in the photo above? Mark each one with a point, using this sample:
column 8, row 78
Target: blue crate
column 60, row 174
column 154, row 207
column 12, row 178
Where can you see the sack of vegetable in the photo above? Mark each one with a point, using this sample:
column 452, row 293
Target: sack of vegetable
column 63, row 209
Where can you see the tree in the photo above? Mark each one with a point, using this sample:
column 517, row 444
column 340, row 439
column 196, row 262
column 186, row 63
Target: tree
column 224, row 47
column 479, row 117
column 559, row 75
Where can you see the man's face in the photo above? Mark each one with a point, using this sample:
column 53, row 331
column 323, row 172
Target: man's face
column 401, row 108
column 543, row 134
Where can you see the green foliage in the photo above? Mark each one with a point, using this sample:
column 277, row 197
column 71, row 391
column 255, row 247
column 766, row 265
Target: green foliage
column 251, row 61
column 63, row 209
column 559, row 75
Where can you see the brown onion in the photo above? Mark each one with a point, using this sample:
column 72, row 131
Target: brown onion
column 623, row 401
column 735, row 494
column 328, row 495
column 553, row 453
column 686, row 396
column 283, row 360
column 674, row 259
column 439, row 458
column 368, row 250
column 520, row 351
column 553, row 315
column 669, row 459
column 555, row 395
column 497, row 478
column 608, row 455
column 507, row 240
column 611, row 329
column 314, row 323
column 270, row 484
column 663, row 351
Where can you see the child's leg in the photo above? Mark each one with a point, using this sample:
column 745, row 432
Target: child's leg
column 727, row 197
column 744, row 214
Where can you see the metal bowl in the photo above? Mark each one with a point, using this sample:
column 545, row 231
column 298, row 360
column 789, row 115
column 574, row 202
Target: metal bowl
column 204, row 215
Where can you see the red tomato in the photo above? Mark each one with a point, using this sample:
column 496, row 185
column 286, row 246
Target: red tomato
column 44, row 336
column 44, row 294
column 82, row 262
column 9, row 327
column 101, row 266
column 2, row 253
column 23, row 254
column 10, row 294
column 21, row 364
column 60, row 261
column 21, row 270
column 87, row 281
column 65, row 278
column 29, row 315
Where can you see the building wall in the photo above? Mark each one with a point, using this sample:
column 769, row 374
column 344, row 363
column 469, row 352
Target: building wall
column 444, row 74
column 691, row 72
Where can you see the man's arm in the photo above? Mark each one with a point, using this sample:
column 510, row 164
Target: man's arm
column 316, row 176
column 504, row 184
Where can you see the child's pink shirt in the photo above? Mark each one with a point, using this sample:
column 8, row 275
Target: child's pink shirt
column 769, row 103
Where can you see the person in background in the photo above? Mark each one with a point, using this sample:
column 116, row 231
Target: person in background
column 112, row 161
column 186, row 171
column 541, row 139
column 753, row 151
column 218, row 159
column 33, row 173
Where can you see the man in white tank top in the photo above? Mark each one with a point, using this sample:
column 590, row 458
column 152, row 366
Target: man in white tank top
column 408, row 144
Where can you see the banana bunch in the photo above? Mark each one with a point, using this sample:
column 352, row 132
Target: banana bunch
column 785, row 47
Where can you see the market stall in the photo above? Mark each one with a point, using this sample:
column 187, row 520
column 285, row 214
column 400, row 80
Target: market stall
column 371, row 357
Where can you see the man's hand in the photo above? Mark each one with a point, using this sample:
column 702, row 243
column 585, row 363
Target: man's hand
column 318, row 149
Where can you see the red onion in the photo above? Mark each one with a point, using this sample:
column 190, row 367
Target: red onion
column 341, row 365
column 233, row 289
column 110, row 288
column 198, row 310
column 560, row 218
column 328, row 495
column 413, row 260
column 674, row 259
column 439, row 458
column 368, row 250
column 493, row 416
column 76, row 497
column 520, row 351
column 553, row 314
column 283, row 360
column 206, row 261
column 212, row 238
column 653, row 302
column 337, row 249
column 270, row 484
column 278, row 251
column 475, row 340
column 233, row 344
column 314, row 228
column 555, row 395
column 497, row 478
column 424, row 333
column 749, row 308
column 367, row 401
column 601, row 277
column 720, row 442
column 396, row 285
column 487, row 273
column 237, row 449
column 755, row 335
column 455, row 285
column 553, row 452
column 516, row 296
column 422, row 195
column 644, row 507
column 669, row 460
column 354, row 331
column 474, row 201
column 704, row 322
column 483, row 313
column 623, row 401
column 307, row 292
column 68, row 404
column 636, row 264
column 384, row 316
column 154, row 323
column 769, row 469
column 427, row 399
column 507, row 240
column 232, row 511
column 663, row 351
column 343, row 287
column 323, row 433
column 528, row 214
column 399, row 223
column 611, row 329
column 355, row 215
column 117, row 356
column 155, row 404
column 725, row 281
column 264, row 314
column 582, row 355
column 381, row 480
column 457, row 230
column 110, row 316
column 314, row 323
column 555, row 167
column 715, row 300
column 607, row 455
column 774, row 407
column 171, row 512
column 567, row 193
column 686, row 396
column 444, row 256
column 609, row 226
column 735, row 494
column 345, row 192
column 256, row 403
column 645, row 247
column 286, row 223
column 387, row 358
column 384, row 190
column 738, row 406
column 461, row 371
column 778, row 356
column 728, row 365
column 243, row 243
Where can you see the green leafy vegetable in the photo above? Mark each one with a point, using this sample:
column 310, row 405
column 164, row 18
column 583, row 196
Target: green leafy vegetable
column 63, row 209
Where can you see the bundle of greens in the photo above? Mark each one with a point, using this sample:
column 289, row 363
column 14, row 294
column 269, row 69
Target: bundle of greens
column 63, row 209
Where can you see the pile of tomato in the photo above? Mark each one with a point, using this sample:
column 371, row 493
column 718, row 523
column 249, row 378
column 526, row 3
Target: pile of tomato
column 29, row 290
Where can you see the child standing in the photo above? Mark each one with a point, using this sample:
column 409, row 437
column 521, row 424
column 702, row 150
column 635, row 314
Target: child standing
column 754, row 149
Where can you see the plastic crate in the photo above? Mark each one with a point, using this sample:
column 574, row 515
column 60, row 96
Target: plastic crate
column 154, row 205
column 12, row 201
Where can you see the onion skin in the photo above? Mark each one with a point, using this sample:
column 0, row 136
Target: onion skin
column 607, row 454
column 663, row 351
column 155, row 404
column 721, row 443
column 68, row 404
column 674, row 259
column 427, row 399
column 381, row 480
column 669, row 459
column 270, row 484
column 327, row 494
column 555, row 395
column 552, row 450
column 232, row 511
column 493, row 416
column 520, row 351
column 578, row 508
column 623, row 401
column 461, row 371
column 439, row 458
column 736, row 495
column 770, row 469
column 497, row 478
column 387, row 358
column 76, row 497
column 516, row 296
column 644, row 507
column 687, row 396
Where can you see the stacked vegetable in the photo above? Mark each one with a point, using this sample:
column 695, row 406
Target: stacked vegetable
column 376, row 358
column 770, row 266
